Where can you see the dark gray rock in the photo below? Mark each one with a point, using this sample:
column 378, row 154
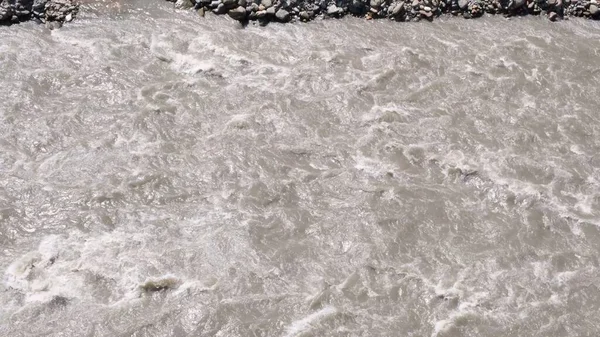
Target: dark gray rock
column 398, row 9
column 238, row 13
column 221, row 9
column 516, row 4
column 357, row 7
column 6, row 11
column 230, row 3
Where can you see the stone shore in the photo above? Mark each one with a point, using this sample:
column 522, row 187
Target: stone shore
column 264, row 11
column 51, row 12
column 55, row 12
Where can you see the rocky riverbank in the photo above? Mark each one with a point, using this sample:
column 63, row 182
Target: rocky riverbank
column 265, row 11
column 51, row 12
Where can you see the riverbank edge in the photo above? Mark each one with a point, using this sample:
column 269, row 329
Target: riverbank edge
column 53, row 13
column 265, row 11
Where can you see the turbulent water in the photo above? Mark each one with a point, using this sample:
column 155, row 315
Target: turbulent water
column 163, row 174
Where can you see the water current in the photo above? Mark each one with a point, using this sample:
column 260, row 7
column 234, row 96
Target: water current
column 163, row 174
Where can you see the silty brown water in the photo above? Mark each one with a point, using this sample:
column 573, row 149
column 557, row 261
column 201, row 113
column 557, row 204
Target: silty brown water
column 167, row 175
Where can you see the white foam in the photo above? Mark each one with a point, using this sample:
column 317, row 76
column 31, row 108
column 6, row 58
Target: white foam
column 305, row 324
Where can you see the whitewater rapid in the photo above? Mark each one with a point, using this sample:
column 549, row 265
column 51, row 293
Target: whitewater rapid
column 163, row 174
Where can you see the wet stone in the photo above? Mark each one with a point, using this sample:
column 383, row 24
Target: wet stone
column 238, row 13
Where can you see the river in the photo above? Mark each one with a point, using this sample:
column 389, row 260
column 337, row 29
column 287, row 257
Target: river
column 163, row 174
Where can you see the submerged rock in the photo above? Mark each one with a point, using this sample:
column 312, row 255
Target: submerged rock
column 159, row 284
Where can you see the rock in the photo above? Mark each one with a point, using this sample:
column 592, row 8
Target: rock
column 463, row 4
column 230, row 3
column 242, row 3
column 398, row 9
column 53, row 24
column 375, row 3
column 38, row 6
column 6, row 11
column 427, row 9
column 333, row 10
column 282, row 15
column 266, row 3
column 184, row 4
column 69, row 18
column 357, row 7
column 516, row 4
column 221, row 9
column 552, row 16
column 593, row 10
column 425, row 14
column 201, row 12
column 238, row 13
column 271, row 11
column 261, row 14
